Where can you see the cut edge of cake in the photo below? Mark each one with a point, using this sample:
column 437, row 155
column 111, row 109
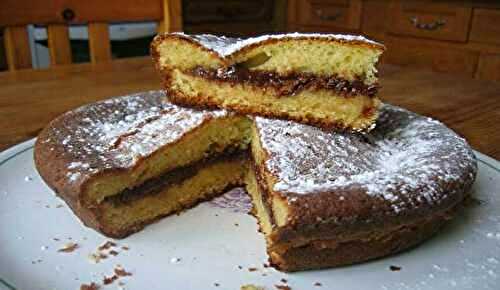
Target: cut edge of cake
column 294, row 248
column 323, row 80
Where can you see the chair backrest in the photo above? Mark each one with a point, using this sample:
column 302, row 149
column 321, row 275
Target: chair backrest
column 57, row 15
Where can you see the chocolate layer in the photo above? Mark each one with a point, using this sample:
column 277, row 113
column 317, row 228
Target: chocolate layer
column 263, row 190
column 286, row 85
column 176, row 176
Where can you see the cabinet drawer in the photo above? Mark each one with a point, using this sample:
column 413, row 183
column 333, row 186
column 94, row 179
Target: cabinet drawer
column 430, row 20
column 486, row 26
column 489, row 67
column 428, row 54
column 338, row 14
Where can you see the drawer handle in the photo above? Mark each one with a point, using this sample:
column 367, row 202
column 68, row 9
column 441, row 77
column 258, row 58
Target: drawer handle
column 427, row 26
column 324, row 17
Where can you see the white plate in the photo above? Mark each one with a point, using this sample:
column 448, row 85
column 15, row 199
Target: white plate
column 204, row 246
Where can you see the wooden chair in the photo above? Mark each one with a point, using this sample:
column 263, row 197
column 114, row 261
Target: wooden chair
column 59, row 14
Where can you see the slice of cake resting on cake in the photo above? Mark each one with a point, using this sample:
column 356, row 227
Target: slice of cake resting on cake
column 124, row 163
column 325, row 200
column 319, row 79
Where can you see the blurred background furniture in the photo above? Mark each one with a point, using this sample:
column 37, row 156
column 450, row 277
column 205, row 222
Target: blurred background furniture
column 56, row 21
column 234, row 17
column 459, row 37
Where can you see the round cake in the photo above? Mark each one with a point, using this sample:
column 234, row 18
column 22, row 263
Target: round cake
column 321, row 198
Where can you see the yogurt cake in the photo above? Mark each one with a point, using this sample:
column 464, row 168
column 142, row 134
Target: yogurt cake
column 324, row 80
column 322, row 199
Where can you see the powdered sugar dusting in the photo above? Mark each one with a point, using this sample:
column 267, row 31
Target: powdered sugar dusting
column 405, row 153
column 117, row 132
column 225, row 46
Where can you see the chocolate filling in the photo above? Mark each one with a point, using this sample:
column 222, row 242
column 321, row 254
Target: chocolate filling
column 263, row 190
column 157, row 184
column 286, row 85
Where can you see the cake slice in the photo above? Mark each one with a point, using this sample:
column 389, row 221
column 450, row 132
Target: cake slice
column 329, row 199
column 123, row 163
column 324, row 80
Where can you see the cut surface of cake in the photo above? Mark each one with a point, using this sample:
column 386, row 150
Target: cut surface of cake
column 125, row 162
column 322, row 199
column 324, row 80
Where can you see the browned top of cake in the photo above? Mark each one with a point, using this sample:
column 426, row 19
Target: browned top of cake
column 407, row 165
column 111, row 135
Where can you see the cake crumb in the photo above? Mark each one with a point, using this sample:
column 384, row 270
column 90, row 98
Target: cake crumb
column 97, row 257
column 92, row 286
column 394, row 268
column 284, row 280
column 125, row 248
column 266, row 265
column 240, row 267
column 107, row 245
column 175, row 260
column 216, row 284
column 282, row 287
column 317, row 284
column 119, row 271
column 251, row 287
column 109, row 280
column 252, row 269
column 68, row 248
column 113, row 253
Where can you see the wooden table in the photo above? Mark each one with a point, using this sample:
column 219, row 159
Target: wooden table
column 29, row 99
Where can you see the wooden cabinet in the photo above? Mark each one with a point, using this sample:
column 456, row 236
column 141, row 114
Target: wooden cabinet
column 429, row 20
column 434, row 55
column 459, row 37
column 235, row 17
column 486, row 26
column 199, row 11
column 489, row 67
column 339, row 14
